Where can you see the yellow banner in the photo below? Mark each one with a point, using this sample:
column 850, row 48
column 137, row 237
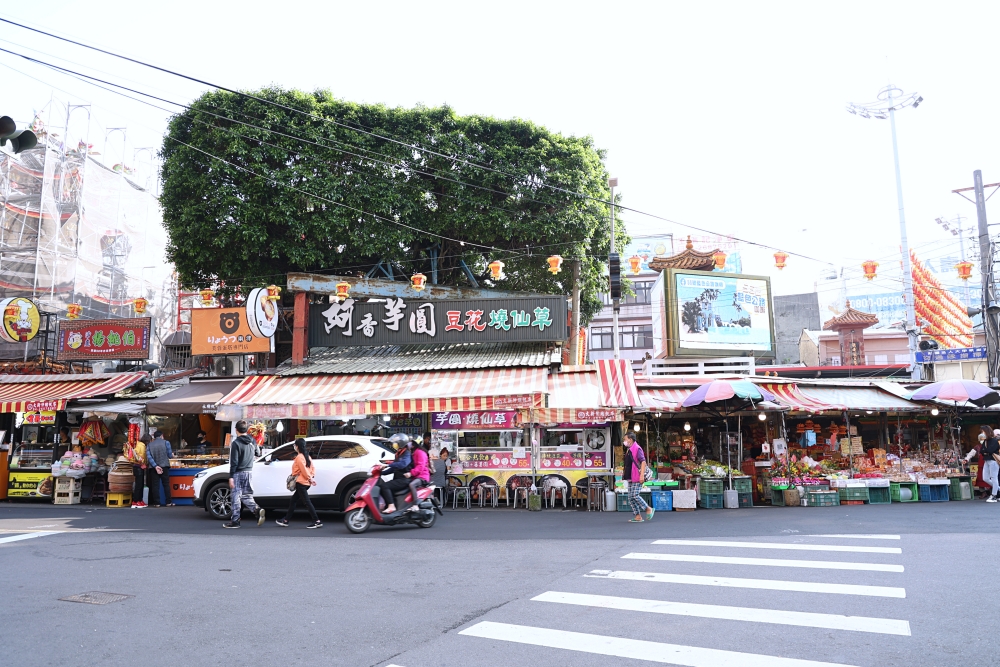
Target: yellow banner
column 30, row 484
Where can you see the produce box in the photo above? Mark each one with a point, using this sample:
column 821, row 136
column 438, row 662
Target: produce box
column 822, row 498
column 663, row 501
column 745, row 499
column 685, row 499
column 742, row 485
column 895, row 492
column 933, row 493
column 710, row 501
column 854, row 493
column 710, row 485
column 879, row 495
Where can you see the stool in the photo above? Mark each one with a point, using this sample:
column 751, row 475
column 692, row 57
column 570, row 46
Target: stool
column 552, row 495
column 443, row 494
column 521, row 491
column 491, row 490
column 119, row 500
column 596, row 490
column 454, row 498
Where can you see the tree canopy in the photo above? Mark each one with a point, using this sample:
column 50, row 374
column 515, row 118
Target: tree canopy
column 252, row 191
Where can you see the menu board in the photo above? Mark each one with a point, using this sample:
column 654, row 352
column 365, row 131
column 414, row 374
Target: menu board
column 497, row 459
column 596, row 460
column 563, row 460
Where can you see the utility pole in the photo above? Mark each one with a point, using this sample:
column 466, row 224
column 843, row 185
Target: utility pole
column 614, row 266
column 574, row 345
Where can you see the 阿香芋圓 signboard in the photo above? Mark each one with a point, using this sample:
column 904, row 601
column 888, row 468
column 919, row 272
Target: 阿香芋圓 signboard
column 125, row 338
column 392, row 320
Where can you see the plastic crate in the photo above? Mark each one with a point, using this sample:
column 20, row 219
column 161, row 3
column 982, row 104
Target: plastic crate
column 853, row 493
column 822, row 498
column 742, row 485
column 816, row 487
column 663, row 501
column 710, row 501
column 118, row 500
column 933, row 493
column 623, row 505
column 895, row 487
column 66, row 498
column 778, row 497
column 955, row 488
column 746, row 499
column 852, row 502
column 710, row 486
column 68, row 483
column 879, row 495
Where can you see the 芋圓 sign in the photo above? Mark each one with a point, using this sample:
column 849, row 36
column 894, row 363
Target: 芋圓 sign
column 957, row 354
column 400, row 321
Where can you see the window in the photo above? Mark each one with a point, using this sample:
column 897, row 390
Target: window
column 330, row 449
column 637, row 337
column 642, row 291
column 284, row 453
column 353, row 452
column 600, row 338
column 882, row 359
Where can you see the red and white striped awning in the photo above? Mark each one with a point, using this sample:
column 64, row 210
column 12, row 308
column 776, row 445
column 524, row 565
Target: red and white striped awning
column 617, row 383
column 360, row 394
column 790, row 395
column 664, row 399
column 27, row 393
column 575, row 397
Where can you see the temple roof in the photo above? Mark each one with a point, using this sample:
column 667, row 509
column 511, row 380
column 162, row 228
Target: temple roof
column 850, row 319
column 689, row 258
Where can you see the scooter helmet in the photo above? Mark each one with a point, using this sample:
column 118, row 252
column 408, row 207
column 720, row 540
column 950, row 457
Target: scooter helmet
column 400, row 440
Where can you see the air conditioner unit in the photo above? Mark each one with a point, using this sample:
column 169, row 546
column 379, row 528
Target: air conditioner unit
column 226, row 367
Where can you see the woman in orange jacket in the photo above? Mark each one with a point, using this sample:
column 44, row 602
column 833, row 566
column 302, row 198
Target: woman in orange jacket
column 305, row 476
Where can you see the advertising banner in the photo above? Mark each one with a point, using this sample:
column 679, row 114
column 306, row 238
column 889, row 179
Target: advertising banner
column 956, row 354
column 471, row 421
column 713, row 314
column 20, row 320
column 43, row 417
column 224, row 331
column 399, row 321
column 124, row 338
column 501, row 459
column 30, row 484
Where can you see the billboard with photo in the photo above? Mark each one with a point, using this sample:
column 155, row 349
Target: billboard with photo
column 711, row 314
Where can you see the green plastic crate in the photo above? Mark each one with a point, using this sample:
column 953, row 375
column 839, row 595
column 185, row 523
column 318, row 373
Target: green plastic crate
column 816, row 487
column 894, row 491
column 746, row 499
column 853, row 493
column 711, row 501
column 879, row 495
column 822, row 498
column 710, row 485
column 778, row 497
column 955, row 490
column 742, row 485
column 622, row 499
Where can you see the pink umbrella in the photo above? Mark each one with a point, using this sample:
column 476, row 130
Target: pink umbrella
column 959, row 391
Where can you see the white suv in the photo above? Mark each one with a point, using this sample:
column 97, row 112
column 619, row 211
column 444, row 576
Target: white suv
column 342, row 465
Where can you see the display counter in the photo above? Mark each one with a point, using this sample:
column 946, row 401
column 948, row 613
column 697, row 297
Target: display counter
column 30, row 474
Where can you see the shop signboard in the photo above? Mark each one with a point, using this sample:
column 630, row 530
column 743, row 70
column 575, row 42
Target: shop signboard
column 710, row 314
column 406, row 421
column 955, row 354
column 30, row 484
column 499, row 459
column 595, row 416
column 40, row 417
column 471, row 421
column 35, row 406
column 124, row 338
column 390, row 320
column 217, row 331
column 21, row 320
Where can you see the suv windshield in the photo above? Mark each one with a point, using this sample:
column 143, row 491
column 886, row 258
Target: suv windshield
column 384, row 444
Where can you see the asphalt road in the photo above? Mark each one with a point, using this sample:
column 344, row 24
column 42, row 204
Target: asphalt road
column 504, row 587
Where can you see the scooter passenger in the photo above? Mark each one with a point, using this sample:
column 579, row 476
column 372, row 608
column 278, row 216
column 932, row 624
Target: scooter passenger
column 399, row 468
column 420, row 473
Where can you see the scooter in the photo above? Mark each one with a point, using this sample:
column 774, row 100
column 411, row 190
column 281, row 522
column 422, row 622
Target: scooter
column 365, row 510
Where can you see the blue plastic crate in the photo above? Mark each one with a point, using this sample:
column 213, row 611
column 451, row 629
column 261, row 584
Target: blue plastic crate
column 933, row 493
column 711, row 501
column 663, row 501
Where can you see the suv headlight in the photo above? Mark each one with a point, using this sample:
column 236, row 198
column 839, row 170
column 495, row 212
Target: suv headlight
column 200, row 474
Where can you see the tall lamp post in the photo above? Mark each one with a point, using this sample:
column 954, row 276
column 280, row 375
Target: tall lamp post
column 890, row 100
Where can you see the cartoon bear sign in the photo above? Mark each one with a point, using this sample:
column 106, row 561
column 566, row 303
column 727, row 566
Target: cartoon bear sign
column 229, row 322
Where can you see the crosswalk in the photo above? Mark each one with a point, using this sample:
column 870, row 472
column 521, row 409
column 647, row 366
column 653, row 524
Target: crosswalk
column 705, row 580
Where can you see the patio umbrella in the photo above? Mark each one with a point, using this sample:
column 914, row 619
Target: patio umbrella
column 724, row 390
column 958, row 391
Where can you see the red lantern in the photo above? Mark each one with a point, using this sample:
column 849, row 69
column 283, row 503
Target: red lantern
column 964, row 270
column 206, row 297
column 870, row 268
column 635, row 262
column 496, row 269
column 779, row 259
column 343, row 290
column 73, row 311
column 419, row 281
column 719, row 258
column 555, row 264
column 139, row 305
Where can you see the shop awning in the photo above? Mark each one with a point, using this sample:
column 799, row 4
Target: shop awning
column 24, row 393
column 122, row 407
column 790, row 395
column 617, row 383
column 197, row 397
column 663, row 399
column 324, row 396
column 575, row 397
column 860, row 398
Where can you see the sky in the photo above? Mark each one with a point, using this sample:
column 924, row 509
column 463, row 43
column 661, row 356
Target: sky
column 725, row 116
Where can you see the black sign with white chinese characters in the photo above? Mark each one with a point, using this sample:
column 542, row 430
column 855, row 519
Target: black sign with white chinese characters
column 398, row 321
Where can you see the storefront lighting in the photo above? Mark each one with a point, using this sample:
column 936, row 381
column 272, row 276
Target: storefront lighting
column 343, row 290
column 719, row 258
column 418, row 281
column 687, row 426
column 869, row 412
column 555, row 264
column 659, row 414
column 870, row 268
column 386, row 418
column 779, row 259
column 635, row 428
column 762, row 416
column 279, row 427
column 935, row 412
column 496, row 269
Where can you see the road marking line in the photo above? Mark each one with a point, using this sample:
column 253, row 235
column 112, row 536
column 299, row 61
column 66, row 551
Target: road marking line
column 27, row 536
column 764, row 584
column 859, row 537
column 636, row 649
column 782, row 546
column 885, row 626
column 768, row 562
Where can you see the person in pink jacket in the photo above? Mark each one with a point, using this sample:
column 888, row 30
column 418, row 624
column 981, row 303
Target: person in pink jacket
column 420, row 473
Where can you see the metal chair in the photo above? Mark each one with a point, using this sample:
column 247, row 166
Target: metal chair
column 466, row 492
column 442, row 492
column 596, row 491
column 553, row 490
column 491, row 490
column 521, row 491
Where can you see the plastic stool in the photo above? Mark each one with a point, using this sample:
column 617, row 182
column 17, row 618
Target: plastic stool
column 463, row 490
column 595, row 490
column 553, row 490
column 491, row 490
column 521, row 491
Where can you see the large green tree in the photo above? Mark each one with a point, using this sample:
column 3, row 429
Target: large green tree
column 252, row 190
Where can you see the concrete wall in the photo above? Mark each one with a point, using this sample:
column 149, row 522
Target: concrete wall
column 792, row 314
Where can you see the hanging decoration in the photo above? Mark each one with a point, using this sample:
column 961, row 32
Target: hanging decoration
column 964, row 269
column 206, row 297
column 343, row 290
column 871, row 269
column 555, row 264
column 419, row 281
column 139, row 305
column 73, row 311
column 273, row 292
column 635, row 263
column 496, row 269
column 719, row 258
column 779, row 259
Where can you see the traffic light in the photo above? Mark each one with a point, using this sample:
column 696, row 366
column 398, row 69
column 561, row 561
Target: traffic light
column 20, row 140
column 615, row 275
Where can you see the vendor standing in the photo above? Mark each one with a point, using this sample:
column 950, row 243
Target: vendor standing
column 159, row 453
column 202, row 443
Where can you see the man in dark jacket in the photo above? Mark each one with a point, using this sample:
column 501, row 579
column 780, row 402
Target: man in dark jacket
column 242, row 453
column 159, row 454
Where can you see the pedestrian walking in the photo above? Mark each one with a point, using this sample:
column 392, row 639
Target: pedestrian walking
column 242, row 453
column 158, row 453
column 634, row 470
column 137, row 457
column 305, row 477
column 990, row 452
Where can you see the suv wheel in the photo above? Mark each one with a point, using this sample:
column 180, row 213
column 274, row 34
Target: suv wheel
column 348, row 497
column 219, row 501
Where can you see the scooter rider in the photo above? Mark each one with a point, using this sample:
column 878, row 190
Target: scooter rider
column 399, row 467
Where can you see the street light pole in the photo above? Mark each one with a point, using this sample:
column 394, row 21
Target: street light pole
column 886, row 107
column 613, row 183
